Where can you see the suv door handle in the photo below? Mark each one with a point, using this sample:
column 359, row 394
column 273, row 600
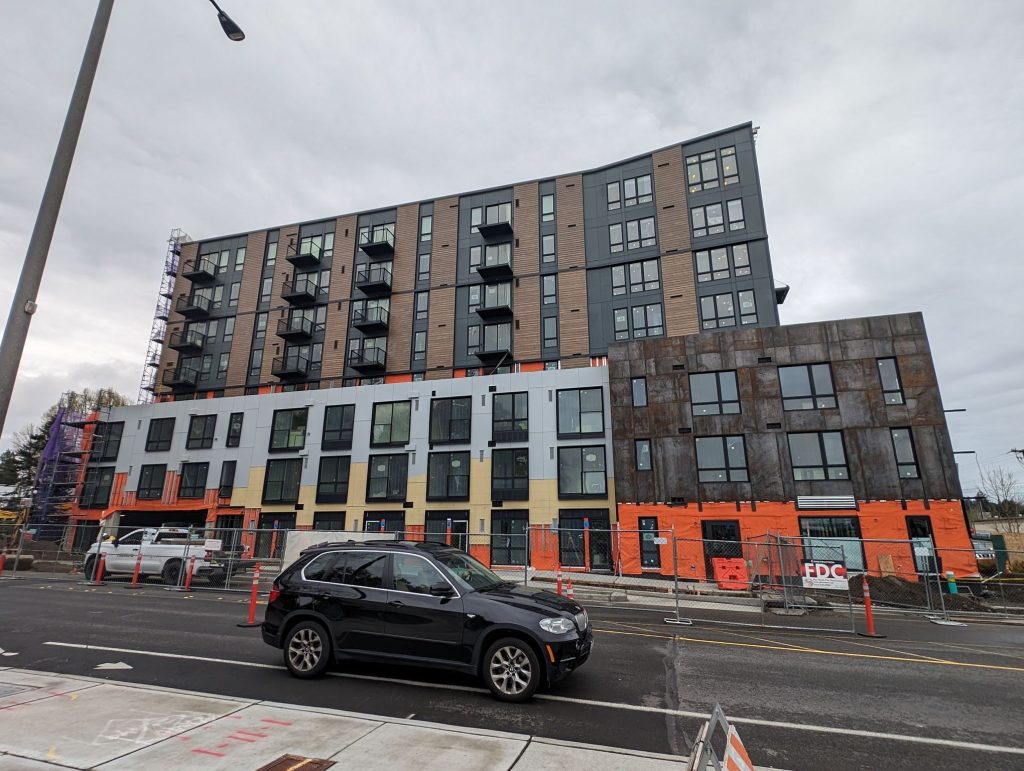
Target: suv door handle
column 396, row 603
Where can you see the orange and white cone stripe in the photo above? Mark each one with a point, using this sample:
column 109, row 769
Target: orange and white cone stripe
column 736, row 757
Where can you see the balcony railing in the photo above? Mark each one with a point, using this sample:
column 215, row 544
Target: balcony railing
column 181, row 377
column 378, row 242
column 291, row 365
column 499, row 227
column 498, row 269
column 187, row 341
column 368, row 359
column 373, row 279
column 496, row 309
column 295, row 328
column 193, row 306
column 307, row 254
column 369, row 319
column 199, row 270
column 301, row 291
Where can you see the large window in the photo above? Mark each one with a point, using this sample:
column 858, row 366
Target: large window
column 717, row 311
column 282, row 481
column 192, row 483
column 748, row 307
column 426, row 227
column 422, row 306
column 833, row 538
column 386, row 477
column 735, row 211
column 450, row 420
column 581, row 412
column 906, row 455
column 707, row 220
column 702, row 172
column 547, row 248
column 151, row 482
column 423, row 267
column 721, row 459
column 106, row 441
column 648, row 320
column 161, row 430
column 200, row 432
column 227, row 478
column 338, row 422
column 640, row 233
column 714, row 393
column 547, row 207
column 892, row 386
column 510, row 474
column 807, row 387
column 510, row 417
column 614, row 196
column 643, row 276
column 390, row 423
column 234, row 437
column 288, row 431
column 637, row 190
column 818, row 455
column 715, row 264
column 549, row 290
column 96, row 487
column 581, row 472
column 638, row 387
column 615, row 237
column 448, row 476
column 332, row 480
column 550, row 331
column 642, row 451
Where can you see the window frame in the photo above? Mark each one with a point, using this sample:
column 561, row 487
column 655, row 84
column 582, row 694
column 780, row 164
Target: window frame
column 445, row 460
column 338, row 487
column 825, row 466
column 438, row 421
column 640, row 445
column 196, row 487
column 391, row 441
column 515, row 487
column 289, row 467
column 339, row 438
column 287, row 432
column 913, row 465
column 633, row 392
column 547, row 214
column 581, row 434
column 570, row 494
column 226, row 485
column 731, row 471
column 152, row 492
column 818, row 401
column 155, row 439
column 236, row 422
column 394, row 461
column 720, row 402
column 511, row 433
column 887, row 392
column 203, row 438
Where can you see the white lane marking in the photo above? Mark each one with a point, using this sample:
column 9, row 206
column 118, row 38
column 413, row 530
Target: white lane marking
column 114, row 665
column 591, row 703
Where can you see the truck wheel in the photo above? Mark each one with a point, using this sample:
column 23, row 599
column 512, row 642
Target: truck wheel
column 217, row 579
column 170, row 572
column 89, row 569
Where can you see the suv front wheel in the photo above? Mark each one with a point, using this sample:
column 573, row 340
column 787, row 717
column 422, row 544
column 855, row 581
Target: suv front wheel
column 511, row 670
column 307, row 650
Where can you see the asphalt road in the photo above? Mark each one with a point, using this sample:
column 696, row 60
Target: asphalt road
column 925, row 697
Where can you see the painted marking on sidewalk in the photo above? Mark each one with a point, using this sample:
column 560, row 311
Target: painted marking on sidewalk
column 595, row 703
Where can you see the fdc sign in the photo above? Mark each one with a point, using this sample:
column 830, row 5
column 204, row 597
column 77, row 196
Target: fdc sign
column 823, row 575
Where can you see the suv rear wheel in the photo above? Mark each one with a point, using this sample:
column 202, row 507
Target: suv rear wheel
column 511, row 669
column 307, row 650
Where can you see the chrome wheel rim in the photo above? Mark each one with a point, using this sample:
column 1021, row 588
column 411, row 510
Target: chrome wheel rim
column 510, row 670
column 305, row 650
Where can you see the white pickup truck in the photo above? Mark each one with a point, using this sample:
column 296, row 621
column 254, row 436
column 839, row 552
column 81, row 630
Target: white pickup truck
column 165, row 553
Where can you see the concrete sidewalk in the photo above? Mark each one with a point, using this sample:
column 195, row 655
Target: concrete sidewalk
column 50, row 721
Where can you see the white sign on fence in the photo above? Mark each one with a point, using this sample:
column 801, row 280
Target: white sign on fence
column 817, row 574
column 661, row 541
column 213, row 544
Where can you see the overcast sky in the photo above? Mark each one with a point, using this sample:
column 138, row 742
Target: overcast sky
column 890, row 149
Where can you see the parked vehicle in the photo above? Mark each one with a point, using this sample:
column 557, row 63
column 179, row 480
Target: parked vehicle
column 165, row 552
column 423, row 604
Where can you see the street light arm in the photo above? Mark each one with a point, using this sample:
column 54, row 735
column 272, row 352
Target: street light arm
column 232, row 30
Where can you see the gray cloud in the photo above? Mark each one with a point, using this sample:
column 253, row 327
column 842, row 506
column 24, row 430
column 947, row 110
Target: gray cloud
column 889, row 165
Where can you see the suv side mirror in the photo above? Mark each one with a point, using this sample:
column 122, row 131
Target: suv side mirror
column 441, row 589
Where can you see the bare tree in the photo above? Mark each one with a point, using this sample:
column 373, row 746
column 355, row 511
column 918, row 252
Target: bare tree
column 1001, row 488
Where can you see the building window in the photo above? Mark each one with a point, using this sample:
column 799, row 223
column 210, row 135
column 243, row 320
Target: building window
column 717, row 311
column 282, row 482
column 892, row 386
column 390, row 423
column 547, row 207
column 510, row 474
column 499, row 212
column 714, row 393
column 106, row 441
column 259, row 331
column 426, row 227
column 807, row 387
column 614, row 196
column 288, row 431
column 239, row 258
column 338, row 422
column 475, row 257
column 643, row 276
column 713, row 264
column 549, row 290
column 547, row 248
column 161, row 430
column 552, row 365
column 96, row 487
column 192, row 483
column 748, row 308
column 256, row 362
column 620, row 318
column 236, row 287
column 509, row 528
column 550, row 332
column 818, row 455
column 638, row 190
column 615, row 237
column 386, row 477
column 618, row 280
column 580, row 412
column 234, row 437
column 227, row 479
column 702, row 171
column 497, row 338
column 721, row 459
column 328, row 520
column 450, row 420
column 151, row 482
column 510, row 417
column 707, row 220
column 222, row 365
column 642, row 450
column 448, row 476
column 638, row 385
column 581, row 472
column 271, row 256
column 266, row 288
column 332, row 479
column 906, row 455
column 422, row 305
column 496, row 255
column 648, row 320
column 472, row 338
column 423, row 267
column 476, row 218
column 736, row 220
column 833, row 538
column 229, row 329
column 419, row 346
column 650, row 551
column 640, row 233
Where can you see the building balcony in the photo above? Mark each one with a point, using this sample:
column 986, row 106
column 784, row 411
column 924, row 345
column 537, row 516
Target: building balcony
column 373, row 279
column 194, row 306
column 379, row 242
column 187, row 341
column 502, row 309
column 495, row 229
column 291, row 365
column 368, row 361
column 301, row 291
column 307, row 255
column 500, row 270
column 296, row 328
column 371, row 319
column 494, row 354
column 181, row 378
column 200, row 270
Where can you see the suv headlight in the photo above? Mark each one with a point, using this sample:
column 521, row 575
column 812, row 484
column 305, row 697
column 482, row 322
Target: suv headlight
column 558, row 625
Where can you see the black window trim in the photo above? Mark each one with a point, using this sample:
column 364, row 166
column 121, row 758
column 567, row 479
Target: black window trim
column 512, row 493
column 581, row 495
column 436, row 403
column 580, row 434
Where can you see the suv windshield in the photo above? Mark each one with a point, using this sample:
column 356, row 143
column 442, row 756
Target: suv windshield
column 472, row 574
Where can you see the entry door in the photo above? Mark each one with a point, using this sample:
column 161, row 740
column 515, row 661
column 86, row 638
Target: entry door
column 650, row 552
column 417, row 623
column 272, row 533
column 509, row 536
column 572, row 539
column 919, row 529
column 436, row 526
column 229, row 531
column 721, row 539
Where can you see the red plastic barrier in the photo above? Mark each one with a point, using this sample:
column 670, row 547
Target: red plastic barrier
column 730, row 573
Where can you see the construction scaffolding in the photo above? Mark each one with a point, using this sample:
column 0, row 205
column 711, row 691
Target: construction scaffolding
column 158, row 332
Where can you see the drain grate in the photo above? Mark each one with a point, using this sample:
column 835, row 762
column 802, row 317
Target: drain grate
column 297, row 763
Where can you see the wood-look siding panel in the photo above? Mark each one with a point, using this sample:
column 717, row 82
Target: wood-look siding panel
column 569, row 216
column 286, row 244
column 674, row 240
column 338, row 310
column 248, row 298
column 445, row 244
column 400, row 333
column 527, row 318
column 441, row 330
column 573, row 331
column 527, row 222
column 406, row 244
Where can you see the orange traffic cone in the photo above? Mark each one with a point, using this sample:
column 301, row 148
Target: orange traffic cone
column 568, row 591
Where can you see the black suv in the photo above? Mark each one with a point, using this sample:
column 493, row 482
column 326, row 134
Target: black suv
column 424, row 604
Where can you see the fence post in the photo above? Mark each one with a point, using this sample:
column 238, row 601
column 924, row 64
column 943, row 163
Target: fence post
column 17, row 555
column 526, row 556
column 675, row 583
column 782, row 573
column 618, row 547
